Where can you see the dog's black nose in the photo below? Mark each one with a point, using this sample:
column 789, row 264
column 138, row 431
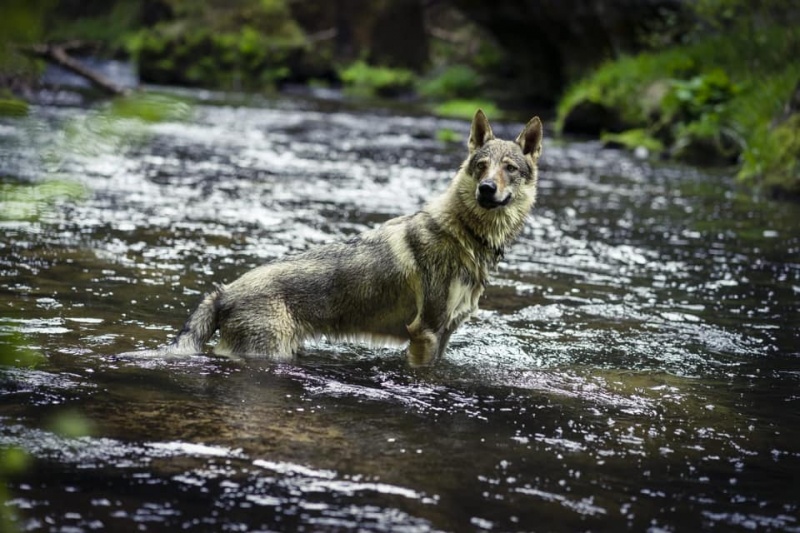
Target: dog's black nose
column 487, row 188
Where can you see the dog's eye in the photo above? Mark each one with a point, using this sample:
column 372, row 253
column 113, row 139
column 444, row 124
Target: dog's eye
column 480, row 166
column 510, row 168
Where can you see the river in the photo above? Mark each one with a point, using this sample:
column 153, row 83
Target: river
column 635, row 363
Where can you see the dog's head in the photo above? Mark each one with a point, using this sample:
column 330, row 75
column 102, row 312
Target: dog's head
column 502, row 170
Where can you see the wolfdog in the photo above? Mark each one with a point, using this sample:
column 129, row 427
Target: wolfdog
column 414, row 279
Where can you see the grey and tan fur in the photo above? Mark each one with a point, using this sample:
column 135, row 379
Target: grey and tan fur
column 415, row 279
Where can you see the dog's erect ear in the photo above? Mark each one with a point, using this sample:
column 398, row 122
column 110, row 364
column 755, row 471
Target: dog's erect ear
column 530, row 139
column 480, row 133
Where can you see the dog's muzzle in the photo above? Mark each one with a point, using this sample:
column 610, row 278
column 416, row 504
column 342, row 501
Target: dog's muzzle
column 487, row 195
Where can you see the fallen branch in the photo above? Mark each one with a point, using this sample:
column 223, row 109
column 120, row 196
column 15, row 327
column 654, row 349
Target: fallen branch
column 324, row 35
column 58, row 54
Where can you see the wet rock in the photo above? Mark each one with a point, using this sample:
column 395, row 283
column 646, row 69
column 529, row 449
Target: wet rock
column 592, row 118
column 549, row 44
column 706, row 151
column 783, row 170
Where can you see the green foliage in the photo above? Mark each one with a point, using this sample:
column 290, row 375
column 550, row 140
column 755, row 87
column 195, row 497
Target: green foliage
column 149, row 107
column 367, row 80
column 247, row 44
column 22, row 23
column 457, row 81
column 13, row 461
column 13, row 107
column 29, row 202
column 70, row 424
column 721, row 91
column 203, row 57
column 634, row 138
column 109, row 25
column 697, row 97
column 772, row 158
column 14, row 351
column 465, row 109
column 448, row 135
column 622, row 84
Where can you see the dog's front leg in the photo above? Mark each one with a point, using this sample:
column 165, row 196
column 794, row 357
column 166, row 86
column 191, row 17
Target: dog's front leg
column 424, row 345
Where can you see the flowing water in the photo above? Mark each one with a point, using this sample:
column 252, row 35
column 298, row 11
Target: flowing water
column 635, row 362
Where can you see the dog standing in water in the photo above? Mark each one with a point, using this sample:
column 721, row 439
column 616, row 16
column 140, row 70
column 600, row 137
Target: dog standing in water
column 414, row 279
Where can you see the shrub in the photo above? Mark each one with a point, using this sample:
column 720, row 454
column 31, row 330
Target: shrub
column 368, row 80
column 458, row 81
column 466, row 108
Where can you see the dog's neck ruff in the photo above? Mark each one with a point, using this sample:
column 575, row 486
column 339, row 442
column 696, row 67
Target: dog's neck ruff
column 496, row 252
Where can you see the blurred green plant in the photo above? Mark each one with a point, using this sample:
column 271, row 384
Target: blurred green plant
column 632, row 139
column 104, row 22
column 448, row 135
column 69, row 423
column 456, row 81
column 149, row 107
column 702, row 95
column 14, row 352
column 13, row 461
column 362, row 79
column 246, row 44
column 465, row 109
column 115, row 125
column 623, row 85
column 30, row 201
column 12, row 107
column 22, row 23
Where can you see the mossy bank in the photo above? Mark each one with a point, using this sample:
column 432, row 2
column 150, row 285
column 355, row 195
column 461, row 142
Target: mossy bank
column 730, row 95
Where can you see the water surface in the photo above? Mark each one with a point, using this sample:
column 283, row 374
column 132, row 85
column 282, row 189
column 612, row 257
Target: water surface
column 634, row 364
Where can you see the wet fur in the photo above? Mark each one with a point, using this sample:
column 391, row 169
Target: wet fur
column 415, row 279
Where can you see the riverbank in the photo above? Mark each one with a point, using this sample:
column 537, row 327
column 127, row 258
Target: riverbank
column 728, row 98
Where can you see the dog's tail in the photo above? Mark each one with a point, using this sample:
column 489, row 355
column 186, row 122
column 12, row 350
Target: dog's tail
column 199, row 327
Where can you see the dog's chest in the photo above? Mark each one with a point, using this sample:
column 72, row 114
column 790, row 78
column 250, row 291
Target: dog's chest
column 462, row 299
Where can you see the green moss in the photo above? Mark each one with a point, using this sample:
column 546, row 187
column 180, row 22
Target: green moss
column 448, row 135
column 70, row 424
column 149, row 107
column 29, row 202
column 622, row 85
column 774, row 160
column 457, row 81
column 363, row 79
column 251, row 46
column 634, row 138
column 110, row 25
column 13, row 107
column 22, row 23
column 698, row 97
column 715, row 99
column 466, row 109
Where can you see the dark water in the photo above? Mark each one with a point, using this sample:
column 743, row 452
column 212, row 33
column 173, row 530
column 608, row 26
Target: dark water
column 635, row 363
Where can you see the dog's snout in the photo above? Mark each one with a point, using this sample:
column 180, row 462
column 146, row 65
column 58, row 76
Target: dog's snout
column 487, row 188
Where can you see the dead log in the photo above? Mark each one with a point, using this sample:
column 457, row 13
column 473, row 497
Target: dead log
column 58, row 55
